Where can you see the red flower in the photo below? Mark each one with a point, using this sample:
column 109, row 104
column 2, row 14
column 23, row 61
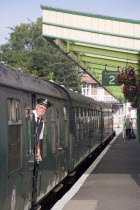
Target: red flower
column 127, row 76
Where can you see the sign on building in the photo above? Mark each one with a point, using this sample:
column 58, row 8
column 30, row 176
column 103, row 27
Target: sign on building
column 109, row 78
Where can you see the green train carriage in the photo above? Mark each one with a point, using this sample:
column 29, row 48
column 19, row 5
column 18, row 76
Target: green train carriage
column 74, row 127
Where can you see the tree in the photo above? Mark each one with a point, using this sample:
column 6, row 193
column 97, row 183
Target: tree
column 28, row 50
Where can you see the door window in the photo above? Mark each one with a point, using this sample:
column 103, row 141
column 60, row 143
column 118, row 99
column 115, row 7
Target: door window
column 65, row 126
column 14, row 134
column 53, row 129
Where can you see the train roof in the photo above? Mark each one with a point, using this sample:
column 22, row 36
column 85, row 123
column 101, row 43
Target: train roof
column 86, row 100
column 80, row 98
column 105, row 105
column 19, row 80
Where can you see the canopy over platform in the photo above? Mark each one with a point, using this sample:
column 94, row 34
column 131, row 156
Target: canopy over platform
column 96, row 43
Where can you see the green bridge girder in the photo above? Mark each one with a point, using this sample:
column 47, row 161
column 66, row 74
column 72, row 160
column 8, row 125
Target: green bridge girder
column 95, row 60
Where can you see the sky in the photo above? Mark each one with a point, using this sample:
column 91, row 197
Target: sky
column 15, row 12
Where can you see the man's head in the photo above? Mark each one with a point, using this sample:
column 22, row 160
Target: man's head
column 42, row 106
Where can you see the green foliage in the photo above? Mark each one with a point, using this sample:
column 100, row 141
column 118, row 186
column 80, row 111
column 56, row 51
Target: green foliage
column 28, row 50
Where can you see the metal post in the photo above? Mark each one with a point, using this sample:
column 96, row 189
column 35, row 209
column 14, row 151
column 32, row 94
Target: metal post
column 138, row 123
column 119, row 117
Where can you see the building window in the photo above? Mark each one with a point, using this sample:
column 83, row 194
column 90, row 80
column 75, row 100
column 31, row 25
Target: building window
column 87, row 89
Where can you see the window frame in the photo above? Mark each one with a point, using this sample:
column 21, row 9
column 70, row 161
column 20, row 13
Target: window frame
column 10, row 124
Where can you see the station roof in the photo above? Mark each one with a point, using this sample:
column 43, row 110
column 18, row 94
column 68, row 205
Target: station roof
column 96, row 43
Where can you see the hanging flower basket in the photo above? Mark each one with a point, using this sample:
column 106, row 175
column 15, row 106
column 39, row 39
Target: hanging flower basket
column 126, row 76
column 130, row 92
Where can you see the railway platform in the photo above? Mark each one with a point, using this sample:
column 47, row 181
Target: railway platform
column 112, row 182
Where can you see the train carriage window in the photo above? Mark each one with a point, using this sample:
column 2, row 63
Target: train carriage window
column 88, row 112
column 74, row 116
column 44, row 141
column 65, row 126
column 93, row 120
column 13, row 110
column 95, row 127
column 90, row 120
column 97, row 119
column 14, row 134
column 78, row 123
column 65, row 112
column 53, row 129
column 77, row 111
column 81, row 111
column 58, row 126
column 28, row 129
column 92, row 111
column 85, row 112
column 96, row 113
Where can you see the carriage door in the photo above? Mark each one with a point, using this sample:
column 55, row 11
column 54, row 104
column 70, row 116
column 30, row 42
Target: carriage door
column 28, row 145
column 20, row 167
column 28, row 132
